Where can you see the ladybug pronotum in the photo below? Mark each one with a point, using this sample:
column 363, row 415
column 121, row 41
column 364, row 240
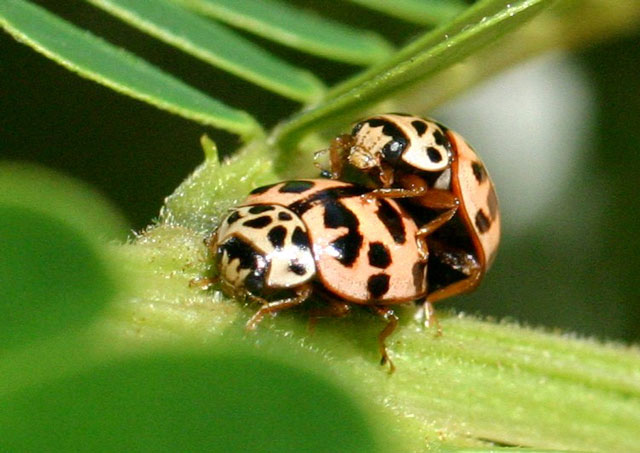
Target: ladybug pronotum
column 448, row 189
column 293, row 239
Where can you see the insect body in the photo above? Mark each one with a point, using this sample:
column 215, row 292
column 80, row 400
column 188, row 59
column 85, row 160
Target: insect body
column 289, row 240
column 451, row 194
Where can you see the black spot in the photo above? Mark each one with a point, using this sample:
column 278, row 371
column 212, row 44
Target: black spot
column 439, row 137
column 258, row 222
column 419, row 126
column 482, row 222
column 378, row 285
column 392, row 151
column 323, row 197
column 297, row 268
column 492, row 202
column 239, row 249
column 388, row 127
column 260, row 208
column 336, row 215
column 479, row 171
column 419, row 279
column 261, row 189
column 392, row 221
column 347, row 247
column 284, row 216
column 276, row 236
column 296, row 186
column 300, row 239
column 375, row 122
column 233, row 218
column 433, row 154
column 379, row 255
column 442, row 139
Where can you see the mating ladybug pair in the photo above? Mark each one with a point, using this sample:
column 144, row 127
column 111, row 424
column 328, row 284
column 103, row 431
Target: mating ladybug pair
column 427, row 227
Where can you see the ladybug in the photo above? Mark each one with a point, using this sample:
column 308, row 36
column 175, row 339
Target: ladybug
column 292, row 239
column 448, row 189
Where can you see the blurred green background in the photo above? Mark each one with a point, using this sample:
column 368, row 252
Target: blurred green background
column 569, row 257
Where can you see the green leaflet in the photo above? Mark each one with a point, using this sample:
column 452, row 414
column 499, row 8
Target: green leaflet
column 426, row 12
column 297, row 28
column 217, row 45
column 97, row 60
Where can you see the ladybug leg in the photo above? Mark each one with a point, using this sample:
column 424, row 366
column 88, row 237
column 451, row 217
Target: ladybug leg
column 393, row 192
column 463, row 286
column 211, row 241
column 333, row 309
column 203, row 283
column 302, row 294
column 426, row 316
column 436, row 199
column 388, row 315
column 436, row 223
column 413, row 186
column 337, row 158
column 461, row 262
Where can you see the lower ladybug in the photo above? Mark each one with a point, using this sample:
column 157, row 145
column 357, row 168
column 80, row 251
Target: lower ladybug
column 447, row 190
column 293, row 239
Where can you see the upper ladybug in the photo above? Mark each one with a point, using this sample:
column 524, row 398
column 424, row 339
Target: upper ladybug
column 452, row 196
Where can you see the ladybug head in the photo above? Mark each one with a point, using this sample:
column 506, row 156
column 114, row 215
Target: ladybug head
column 396, row 140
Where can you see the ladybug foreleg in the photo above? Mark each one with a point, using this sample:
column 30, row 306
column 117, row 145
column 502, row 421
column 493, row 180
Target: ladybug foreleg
column 393, row 192
column 388, row 315
column 302, row 294
column 412, row 186
column 203, row 283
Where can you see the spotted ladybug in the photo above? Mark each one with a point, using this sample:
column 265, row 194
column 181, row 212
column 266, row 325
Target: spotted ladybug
column 296, row 238
column 450, row 193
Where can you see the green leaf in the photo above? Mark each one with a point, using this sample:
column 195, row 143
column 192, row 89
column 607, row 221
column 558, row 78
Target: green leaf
column 296, row 28
column 424, row 12
column 91, row 57
column 53, row 271
column 433, row 52
column 229, row 402
column 216, row 45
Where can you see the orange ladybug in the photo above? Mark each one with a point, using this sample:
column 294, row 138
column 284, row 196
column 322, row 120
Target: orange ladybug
column 446, row 187
column 296, row 238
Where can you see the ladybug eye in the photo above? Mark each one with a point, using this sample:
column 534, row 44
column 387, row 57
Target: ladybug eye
column 392, row 151
column 357, row 128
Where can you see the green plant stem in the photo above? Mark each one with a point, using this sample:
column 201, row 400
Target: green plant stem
column 570, row 24
column 480, row 382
